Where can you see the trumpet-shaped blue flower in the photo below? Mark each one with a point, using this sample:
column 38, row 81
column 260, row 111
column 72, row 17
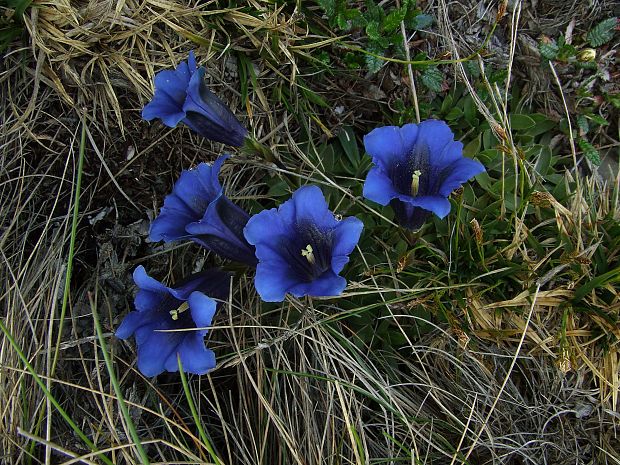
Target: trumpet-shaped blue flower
column 198, row 210
column 182, row 96
column 301, row 247
column 166, row 319
column 416, row 167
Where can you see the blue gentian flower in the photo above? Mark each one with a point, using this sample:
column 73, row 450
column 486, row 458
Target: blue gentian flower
column 199, row 211
column 159, row 308
column 182, row 96
column 416, row 167
column 301, row 247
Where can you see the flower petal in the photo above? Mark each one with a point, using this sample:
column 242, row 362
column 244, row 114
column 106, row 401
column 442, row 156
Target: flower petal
column 440, row 206
column 328, row 285
column 274, row 278
column 436, row 136
column 310, row 205
column 451, row 153
column 155, row 350
column 221, row 231
column 389, row 145
column 213, row 282
column 131, row 322
column 202, row 308
column 208, row 115
column 191, row 195
column 163, row 108
column 170, row 95
column 272, row 222
column 408, row 215
column 379, row 187
column 151, row 294
column 461, row 171
column 195, row 357
column 346, row 236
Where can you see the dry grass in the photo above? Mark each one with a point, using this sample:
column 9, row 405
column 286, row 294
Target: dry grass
column 531, row 387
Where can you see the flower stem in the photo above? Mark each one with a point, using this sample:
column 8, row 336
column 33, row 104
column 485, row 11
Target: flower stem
column 252, row 146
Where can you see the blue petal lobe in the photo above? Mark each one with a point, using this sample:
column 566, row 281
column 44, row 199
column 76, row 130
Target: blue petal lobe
column 202, row 308
column 389, row 145
column 191, row 62
column 213, row 282
column 192, row 193
column 155, row 350
column 273, row 279
column 310, row 205
column 346, row 236
column 379, row 187
column 440, row 206
column 195, row 357
column 161, row 107
column 221, row 230
column 170, row 95
column 151, row 294
column 272, row 222
column 130, row 323
column 461, row 171
column 451, row 153
column 436, row 135
column 208, row 115
column 327, row 285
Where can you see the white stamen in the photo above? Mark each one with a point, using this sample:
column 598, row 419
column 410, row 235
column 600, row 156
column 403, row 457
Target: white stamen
column 308, row 252
column 177, row 311
column 415, row 182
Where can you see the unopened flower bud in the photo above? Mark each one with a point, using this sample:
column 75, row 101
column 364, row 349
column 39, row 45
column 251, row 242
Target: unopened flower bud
column 586, row 55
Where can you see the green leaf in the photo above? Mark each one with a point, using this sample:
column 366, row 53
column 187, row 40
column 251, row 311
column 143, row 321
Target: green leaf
column 582, row 122
column 374, row 12
column 432, row 78
column 446, row 105
column 590, row 151
column 603, row 32
column 597, row 119
column 470, row 110
column 473, row 147
column 393, row 19
column 349, row 144
column 372, row 63
column 19, row 6
column 521, row 122
column 473, row 68
column 372, row 30
column 342, row 22
column 329, row 6
column 8, row 34
column 454, row 114
column 543, row 125
column 422, row 21
column 548, row 50
column 278, row 189
column 599, row 281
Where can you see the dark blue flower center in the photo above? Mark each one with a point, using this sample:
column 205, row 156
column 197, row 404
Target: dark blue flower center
column 175, row 313
column 308, row 250
column 415, row 176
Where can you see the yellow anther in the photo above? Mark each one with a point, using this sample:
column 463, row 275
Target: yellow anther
column 415, row 182
column 177, row 311
column 308, row 252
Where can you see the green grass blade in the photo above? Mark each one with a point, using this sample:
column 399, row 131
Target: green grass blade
column 117, row 388
column 74, row 224
column 49, row 395
column 195, row 416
